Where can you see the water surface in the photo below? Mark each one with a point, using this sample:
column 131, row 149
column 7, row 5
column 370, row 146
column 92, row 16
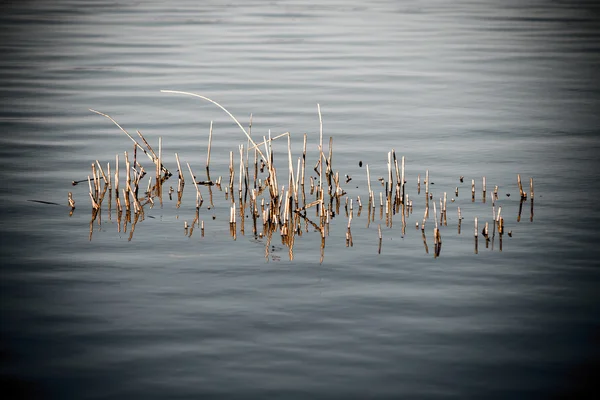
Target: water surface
column 459, row 88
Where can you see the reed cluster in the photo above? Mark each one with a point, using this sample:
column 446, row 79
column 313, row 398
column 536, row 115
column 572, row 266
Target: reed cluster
column 288, row 203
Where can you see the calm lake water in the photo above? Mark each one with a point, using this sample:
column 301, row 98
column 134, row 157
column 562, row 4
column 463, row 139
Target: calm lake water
column 461, row 88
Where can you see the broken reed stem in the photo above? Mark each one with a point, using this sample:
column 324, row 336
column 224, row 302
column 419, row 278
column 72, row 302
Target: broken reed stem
column 71, row 201
column 94, row 204
column 521, row 192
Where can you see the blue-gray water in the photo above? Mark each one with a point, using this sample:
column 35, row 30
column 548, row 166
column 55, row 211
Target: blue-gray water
column 460, row 88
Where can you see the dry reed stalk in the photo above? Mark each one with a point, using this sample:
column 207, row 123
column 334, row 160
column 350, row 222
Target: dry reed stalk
column 117, row 177
column 108, row 175
column 290, row 166
column 427, row 183
column 268, row 141
column 396, row 167
column 130, row 137
column 306, row 206
column 92, row 194
column 402, row 178
column 444, row 206
column 419, row 184
column 71, row 201
column 181, row 181
column 199, row 199
column 521, row 192
column 158, row 171
column 472, row 190
column 388, row 186
column 248, row 141
column 531, row 189
column 531, row 197
column 476, row 236
column 459, row 219
column 102, row 172
column 127, row 172
column 435, row 227
column 221, row 107
column 96, row 189
column 152, row 154
column 329, row 172
column 134, row 157
column 241, row 173
column 303, row 159
column 320, row 152
column 231, row 173
column 456, row 191
column 484, row 188
column 369, row 182
column 297, row 183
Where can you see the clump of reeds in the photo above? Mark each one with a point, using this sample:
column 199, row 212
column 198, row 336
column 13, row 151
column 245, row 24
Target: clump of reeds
column 276, row 202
